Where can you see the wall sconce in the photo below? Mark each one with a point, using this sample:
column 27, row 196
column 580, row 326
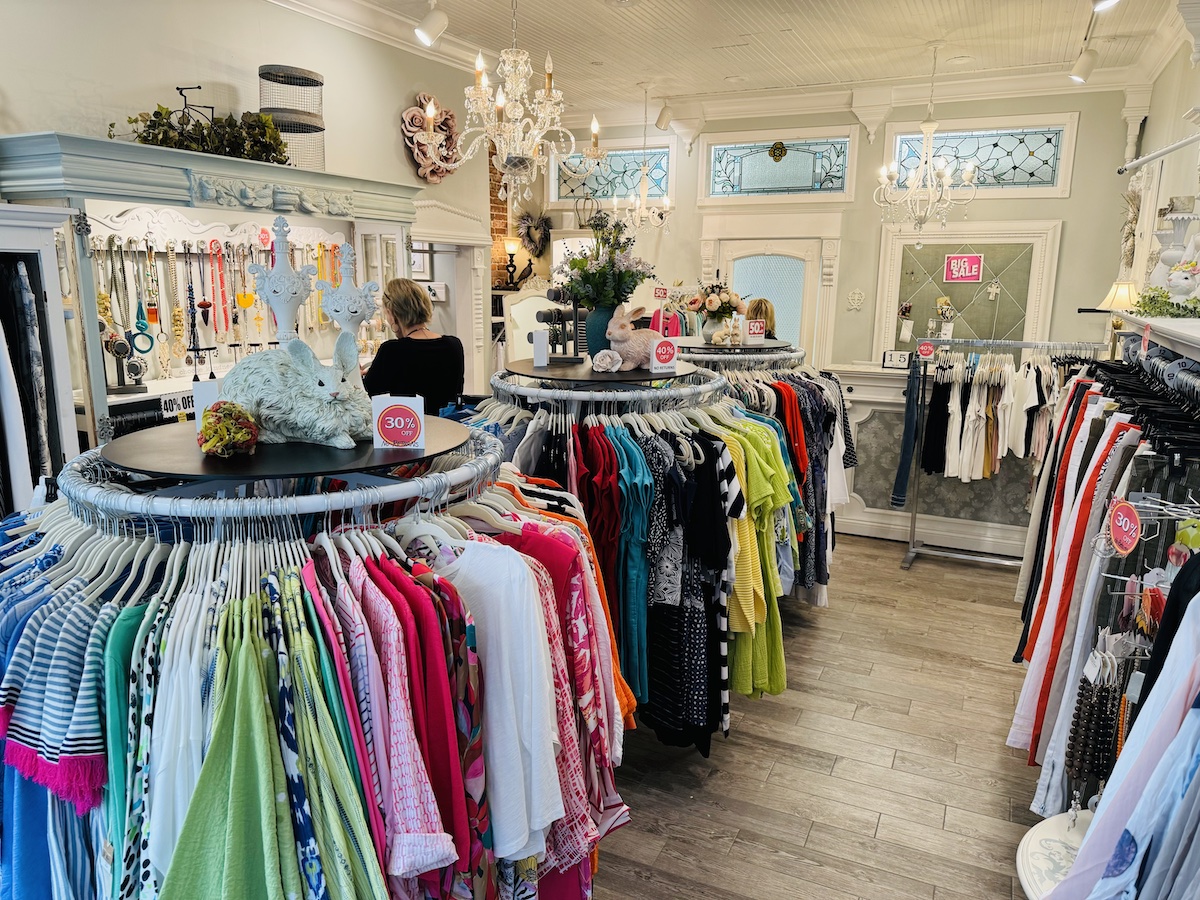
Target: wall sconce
column 511, row 246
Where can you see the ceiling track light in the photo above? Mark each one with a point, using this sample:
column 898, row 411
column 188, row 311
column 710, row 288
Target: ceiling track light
column 663, row 122
column 1102, row 5
column 1084, row 66
column 432, row 26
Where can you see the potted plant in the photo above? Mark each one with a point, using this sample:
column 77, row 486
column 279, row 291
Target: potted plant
column 602, row 277
column 718, row 304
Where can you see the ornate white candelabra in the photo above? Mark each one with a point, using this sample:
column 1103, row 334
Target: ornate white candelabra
column 284, row 288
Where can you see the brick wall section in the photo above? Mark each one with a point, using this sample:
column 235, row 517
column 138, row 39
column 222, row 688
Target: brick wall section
column 499, row 222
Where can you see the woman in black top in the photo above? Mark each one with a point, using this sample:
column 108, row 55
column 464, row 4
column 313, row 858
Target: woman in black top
column 419, row 362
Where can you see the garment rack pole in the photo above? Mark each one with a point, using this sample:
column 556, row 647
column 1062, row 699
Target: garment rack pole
column 917, row 547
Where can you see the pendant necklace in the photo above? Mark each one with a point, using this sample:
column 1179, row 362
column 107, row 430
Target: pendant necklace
column 141, row 321
column 193, row 350
column 204, row 305
column 178, row 344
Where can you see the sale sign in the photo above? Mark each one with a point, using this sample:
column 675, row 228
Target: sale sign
column 963, row 267
column 756, row 331
column 926, row 349
column 399, row 422
column 1124, row 527
column 661, row 293
column 662, row 360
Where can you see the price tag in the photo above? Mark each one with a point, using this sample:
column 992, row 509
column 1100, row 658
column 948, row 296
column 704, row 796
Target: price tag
column 399, row 422
column 204, row 394
column 1146, row 339
column 756, row 332
column 177, row 405
column 897, row 359
column 926, row 349
column 1124, row 527
column 662, row 360
column 661, row 293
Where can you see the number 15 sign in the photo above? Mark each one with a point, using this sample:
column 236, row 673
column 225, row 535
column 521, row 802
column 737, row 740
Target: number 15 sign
column 399, row 422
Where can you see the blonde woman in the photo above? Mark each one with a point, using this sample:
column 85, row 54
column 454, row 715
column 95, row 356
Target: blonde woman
column 761, row 308
column 419, row 362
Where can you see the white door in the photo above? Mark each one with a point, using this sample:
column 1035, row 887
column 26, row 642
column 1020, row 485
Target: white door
column 785, row 272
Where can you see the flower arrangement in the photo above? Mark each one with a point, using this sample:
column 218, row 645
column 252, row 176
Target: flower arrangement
column 604, row 276
column 717, row 301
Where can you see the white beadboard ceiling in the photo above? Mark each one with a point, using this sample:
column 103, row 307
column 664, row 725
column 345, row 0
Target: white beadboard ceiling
column 701, row 48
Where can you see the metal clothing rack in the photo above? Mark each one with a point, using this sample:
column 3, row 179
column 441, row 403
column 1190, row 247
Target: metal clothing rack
column 772, row 359
column 917, row 547
column 701, row 387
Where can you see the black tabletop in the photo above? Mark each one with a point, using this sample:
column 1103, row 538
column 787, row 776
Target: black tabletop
column 171, row 450
column 582, row 372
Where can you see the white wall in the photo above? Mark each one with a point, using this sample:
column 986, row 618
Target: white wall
column 74, row 67
column 1176, row 90
column 1088, row 260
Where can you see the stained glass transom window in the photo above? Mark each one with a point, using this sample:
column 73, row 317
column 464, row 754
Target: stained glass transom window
column 1003, row 158
column 778, row 168
column 619, row 175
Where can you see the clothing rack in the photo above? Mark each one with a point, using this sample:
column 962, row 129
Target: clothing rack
column 746, row 359
column 703, row 387
column 86, row 483
column 918, row 547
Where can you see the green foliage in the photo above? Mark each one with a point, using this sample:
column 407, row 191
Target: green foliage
column 252, row 136
column 605, row 276
column 1156, row 303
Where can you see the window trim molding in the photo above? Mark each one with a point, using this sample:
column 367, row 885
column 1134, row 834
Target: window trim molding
column 706, row 142
column 668, row 143
column 1067, row 121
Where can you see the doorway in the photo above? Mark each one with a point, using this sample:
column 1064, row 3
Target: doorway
column 780, row 271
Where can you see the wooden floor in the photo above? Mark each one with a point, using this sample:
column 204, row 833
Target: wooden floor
column 880, row 774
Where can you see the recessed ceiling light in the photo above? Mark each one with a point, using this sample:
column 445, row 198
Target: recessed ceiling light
column 597, row 62
column 622, row 4
column 960, row 60
column 735, row 79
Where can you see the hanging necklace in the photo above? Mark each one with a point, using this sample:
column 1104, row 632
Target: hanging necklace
column 178, row 344
column 316, row 298
column 141, row 321
column 245, row 297
column 153, row 288
column 135, row 333
column 204, row 305
column 234, row 313
column 216, row 273
column 193, row 350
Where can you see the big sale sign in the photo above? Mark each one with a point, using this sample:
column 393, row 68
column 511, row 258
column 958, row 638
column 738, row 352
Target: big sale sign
column 963, row 267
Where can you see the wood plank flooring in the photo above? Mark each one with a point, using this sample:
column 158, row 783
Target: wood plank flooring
column 880, row 774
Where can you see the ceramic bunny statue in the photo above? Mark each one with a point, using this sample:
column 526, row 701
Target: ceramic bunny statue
column 293, row 397
column 635, row 345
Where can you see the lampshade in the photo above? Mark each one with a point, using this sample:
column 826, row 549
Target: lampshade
column 432, row 26
column 512, row 245
column 1084, row 66
column 1122, row 295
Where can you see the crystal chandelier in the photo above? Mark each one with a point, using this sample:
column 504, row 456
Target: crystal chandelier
column 930, row 193
column 524, row 130
column 640, row 215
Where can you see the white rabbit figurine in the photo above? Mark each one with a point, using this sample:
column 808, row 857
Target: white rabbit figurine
column 293, row 397
column 635, row 345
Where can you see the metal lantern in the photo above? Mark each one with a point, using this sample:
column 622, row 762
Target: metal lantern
column 293, row 98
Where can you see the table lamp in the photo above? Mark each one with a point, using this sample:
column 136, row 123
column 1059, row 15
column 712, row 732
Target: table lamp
column 1121, row 296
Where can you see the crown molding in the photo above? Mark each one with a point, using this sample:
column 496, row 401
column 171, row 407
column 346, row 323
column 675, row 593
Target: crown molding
column 1171, row 34
column 381, row 24
column 871, row 99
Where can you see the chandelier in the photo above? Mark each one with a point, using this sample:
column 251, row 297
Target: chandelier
column 640, row 215
column 931, row 192
column 524, row 130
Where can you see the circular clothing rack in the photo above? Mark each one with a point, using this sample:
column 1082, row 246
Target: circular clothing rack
column 583, row 373
column 88, row 484
column 696, row 389
column 696, row 343
column 171, row 451
column 788, row 359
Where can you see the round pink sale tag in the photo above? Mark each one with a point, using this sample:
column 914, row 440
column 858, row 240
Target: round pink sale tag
column 925, row 349
column 664, row 352
column 399, row 426
column 1124, row 527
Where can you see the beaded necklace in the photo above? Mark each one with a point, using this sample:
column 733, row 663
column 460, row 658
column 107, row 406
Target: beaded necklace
column 178, row 346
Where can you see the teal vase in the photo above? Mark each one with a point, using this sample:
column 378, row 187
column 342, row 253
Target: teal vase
column 596, row 325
